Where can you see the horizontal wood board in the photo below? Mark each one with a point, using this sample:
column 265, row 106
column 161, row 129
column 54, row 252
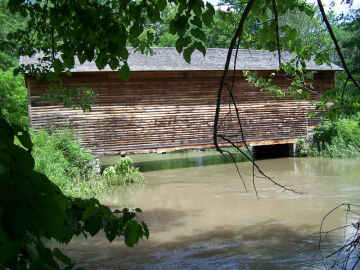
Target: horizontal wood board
column 173, row 110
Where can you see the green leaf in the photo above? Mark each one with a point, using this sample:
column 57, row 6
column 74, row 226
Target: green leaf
column 69, row 62
column 136, row 30
column 24, row 160
column 309, row 11
column 113, row 63
column 25, row 140
column 58, row 66
column 199, row 34
column 132, row 233
column 124, row 72
column 124, row 53
column 200, row 47
column 93, row 225
column 196, row 21
column 179, row 25
column 179, row 45
column 188, row 52
column 100, row 61
column 208, row 15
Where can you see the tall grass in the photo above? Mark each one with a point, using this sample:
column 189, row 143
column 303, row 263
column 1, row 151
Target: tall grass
column 59, row 155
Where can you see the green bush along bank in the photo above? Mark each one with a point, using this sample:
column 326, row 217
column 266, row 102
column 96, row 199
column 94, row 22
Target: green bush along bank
column 339, row 138
column 13, row 99
column 60, row 157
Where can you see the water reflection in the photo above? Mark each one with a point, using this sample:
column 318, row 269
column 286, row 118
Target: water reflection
column 176, row 160
column 201, row 218
column 187, row 162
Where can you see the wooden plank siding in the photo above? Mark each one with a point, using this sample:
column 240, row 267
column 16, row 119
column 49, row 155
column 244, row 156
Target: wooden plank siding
column 172, row 110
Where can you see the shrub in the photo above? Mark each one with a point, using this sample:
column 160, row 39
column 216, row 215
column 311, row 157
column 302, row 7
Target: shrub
column 302, row 147
column 60, row 157
column 13, row 99
column 123, row 172
column 337, row 139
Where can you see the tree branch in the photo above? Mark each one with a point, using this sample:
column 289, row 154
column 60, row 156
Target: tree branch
column 277, row 30
column 237, row 35
column 337, row 47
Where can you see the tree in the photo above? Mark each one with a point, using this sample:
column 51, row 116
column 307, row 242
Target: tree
column 218, row 35
column 8, row 23
column 351, row 42
column 13, row 99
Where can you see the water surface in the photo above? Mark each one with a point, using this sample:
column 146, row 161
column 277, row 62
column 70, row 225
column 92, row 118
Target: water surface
column 201, row 218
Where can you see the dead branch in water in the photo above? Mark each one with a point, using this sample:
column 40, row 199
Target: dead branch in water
column 347, row 256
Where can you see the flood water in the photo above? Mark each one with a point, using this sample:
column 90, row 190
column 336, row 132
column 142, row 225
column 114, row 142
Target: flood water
column 201, row 218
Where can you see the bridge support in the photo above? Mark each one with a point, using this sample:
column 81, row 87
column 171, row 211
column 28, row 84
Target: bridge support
column 292, row 149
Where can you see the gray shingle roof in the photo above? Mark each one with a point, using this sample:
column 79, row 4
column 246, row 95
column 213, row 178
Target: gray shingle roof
column 168, row 59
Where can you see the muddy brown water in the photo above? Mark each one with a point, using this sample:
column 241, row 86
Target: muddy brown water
column 201, row 218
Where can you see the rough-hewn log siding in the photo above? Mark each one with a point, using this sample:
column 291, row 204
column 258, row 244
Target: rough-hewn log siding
column 172, row 110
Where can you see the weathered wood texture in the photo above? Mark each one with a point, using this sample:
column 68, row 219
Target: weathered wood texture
column 163, row 111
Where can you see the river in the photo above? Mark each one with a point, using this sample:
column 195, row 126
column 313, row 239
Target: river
column 201, row 217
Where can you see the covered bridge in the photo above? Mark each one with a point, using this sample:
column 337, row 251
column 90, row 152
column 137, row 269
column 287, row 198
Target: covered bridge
column 169, row 105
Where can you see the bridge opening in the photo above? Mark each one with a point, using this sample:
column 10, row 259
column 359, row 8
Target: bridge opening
column 274, row 151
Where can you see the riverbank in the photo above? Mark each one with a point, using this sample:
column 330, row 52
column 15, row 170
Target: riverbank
column 339, row 138
column 75, row 170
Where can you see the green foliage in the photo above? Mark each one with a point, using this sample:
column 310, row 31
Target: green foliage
column 298, row 86
column 302, row 148
column 60, row 157
column 13, row 99
column 350, row 39
column 302, row 42
column 102, row 31
column 221, row 31
column 123, row 173
column 345, row 102
column 33, row 209
column 345, row 98
column 9, row 23
column 337, row 149
column 339, row 138
column 81, row 97
column 217, row 35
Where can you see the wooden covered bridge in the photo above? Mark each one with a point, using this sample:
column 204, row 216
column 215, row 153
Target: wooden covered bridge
column 169, row 105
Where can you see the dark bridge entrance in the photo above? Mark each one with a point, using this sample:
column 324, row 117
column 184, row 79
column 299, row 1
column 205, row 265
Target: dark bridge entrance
column 274, row 151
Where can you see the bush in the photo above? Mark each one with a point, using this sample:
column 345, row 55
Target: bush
column 61, row 158
column 13, row 99
column 337, row 139
column 123, row 173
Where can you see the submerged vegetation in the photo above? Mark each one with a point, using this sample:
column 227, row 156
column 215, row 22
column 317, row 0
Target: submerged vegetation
column 74, row 169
